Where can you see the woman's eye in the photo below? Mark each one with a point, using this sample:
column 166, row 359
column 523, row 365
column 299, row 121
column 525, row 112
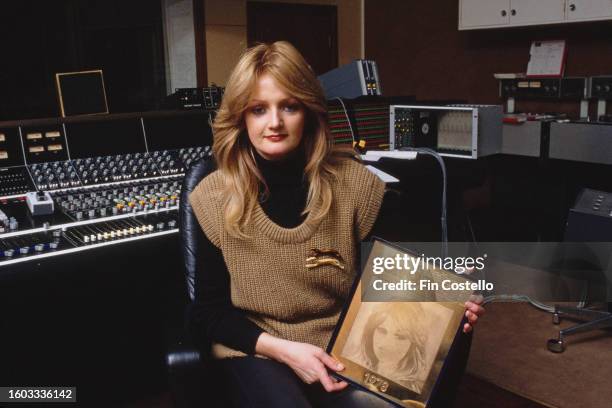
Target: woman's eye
column 401, row 337
column 258, row 110
column 291, row 108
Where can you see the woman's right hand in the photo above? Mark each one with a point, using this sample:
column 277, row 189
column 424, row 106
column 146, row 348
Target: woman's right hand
column 309, row 362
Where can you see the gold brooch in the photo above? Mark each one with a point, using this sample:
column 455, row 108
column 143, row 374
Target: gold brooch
column 318, row 257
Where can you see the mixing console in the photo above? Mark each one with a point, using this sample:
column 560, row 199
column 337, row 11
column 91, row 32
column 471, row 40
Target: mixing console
column 110, row 182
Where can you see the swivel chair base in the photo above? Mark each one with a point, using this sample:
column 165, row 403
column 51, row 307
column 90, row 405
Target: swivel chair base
column 598, row 320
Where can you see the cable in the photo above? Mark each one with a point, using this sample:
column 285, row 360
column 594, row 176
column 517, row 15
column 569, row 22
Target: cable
column 443, row 221
column 516, row 299
column 347, row 118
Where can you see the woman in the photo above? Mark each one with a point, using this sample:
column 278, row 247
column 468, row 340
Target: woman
column 280, row 191
column 394, row 341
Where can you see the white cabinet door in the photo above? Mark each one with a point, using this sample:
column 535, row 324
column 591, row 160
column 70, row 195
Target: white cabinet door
column 536, row 11
column 588, row 9
column 483, row 13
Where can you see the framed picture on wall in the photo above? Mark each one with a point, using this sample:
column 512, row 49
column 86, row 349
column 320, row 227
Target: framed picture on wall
column 81, row 93
column 398, row 349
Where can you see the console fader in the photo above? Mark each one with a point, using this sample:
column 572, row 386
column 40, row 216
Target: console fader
column 112, row 179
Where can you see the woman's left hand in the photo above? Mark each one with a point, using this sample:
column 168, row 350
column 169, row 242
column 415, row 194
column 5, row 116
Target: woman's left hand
column 473, row 310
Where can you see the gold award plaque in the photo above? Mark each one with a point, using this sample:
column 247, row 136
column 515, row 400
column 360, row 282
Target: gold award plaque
column 397, row 349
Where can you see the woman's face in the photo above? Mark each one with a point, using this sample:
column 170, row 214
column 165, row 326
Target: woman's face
column 274, row 120
column 390, row 342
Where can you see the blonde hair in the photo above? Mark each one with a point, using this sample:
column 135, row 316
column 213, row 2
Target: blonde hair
column 232, row 148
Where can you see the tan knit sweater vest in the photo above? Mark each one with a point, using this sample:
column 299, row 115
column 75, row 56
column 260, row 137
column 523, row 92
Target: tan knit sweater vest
column 268, row 275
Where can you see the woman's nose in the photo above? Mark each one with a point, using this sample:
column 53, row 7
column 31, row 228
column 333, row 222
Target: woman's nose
column 276, row 120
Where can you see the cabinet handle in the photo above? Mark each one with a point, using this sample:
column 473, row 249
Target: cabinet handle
column 572, row 7
column 513, row 12
column 504, row 13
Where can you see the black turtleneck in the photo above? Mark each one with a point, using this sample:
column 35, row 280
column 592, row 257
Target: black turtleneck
column 287, row 189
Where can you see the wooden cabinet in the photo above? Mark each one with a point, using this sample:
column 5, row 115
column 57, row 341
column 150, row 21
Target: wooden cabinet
column 526, row 12
column 584, row 10
column 477, row 14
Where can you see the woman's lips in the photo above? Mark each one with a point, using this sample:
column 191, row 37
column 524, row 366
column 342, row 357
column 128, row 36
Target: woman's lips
column 275, row 138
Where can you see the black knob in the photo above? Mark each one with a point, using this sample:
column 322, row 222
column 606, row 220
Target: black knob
column 513, row 12
column 504, row 13
column 572, row 7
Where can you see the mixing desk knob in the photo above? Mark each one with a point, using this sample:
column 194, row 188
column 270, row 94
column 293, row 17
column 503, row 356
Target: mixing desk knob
column 172, row 224
column 13, row 224
column 9, row 252
column 160, row 226
column 39, row 247
column 24, row 250
column 91, row 213
column 79, row 215
column 54, row 245
column 57, row 233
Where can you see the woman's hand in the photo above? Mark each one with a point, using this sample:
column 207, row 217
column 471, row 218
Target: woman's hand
column 309, row 362
column 473, row 310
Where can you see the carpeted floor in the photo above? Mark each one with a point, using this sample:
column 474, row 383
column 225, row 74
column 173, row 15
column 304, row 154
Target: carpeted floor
column 509, row 350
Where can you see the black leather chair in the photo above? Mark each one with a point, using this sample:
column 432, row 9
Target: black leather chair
column 192, row 375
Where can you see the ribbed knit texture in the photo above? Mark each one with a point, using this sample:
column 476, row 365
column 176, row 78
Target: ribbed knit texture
column 269, row 279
